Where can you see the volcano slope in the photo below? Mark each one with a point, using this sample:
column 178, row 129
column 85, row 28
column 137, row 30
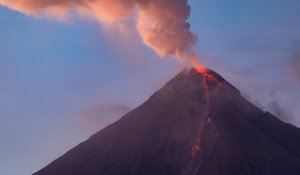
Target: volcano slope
column 197, row 124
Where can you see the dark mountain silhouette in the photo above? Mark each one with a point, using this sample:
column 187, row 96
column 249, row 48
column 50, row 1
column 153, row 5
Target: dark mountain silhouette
column 197, row 124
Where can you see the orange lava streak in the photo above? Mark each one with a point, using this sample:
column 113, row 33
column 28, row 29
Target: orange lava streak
column 208, row 77
column 197, row 145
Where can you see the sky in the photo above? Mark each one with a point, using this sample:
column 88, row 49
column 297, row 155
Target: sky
column 61, row 81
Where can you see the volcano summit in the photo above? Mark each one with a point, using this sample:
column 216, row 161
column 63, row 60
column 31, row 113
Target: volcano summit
column 197, row 124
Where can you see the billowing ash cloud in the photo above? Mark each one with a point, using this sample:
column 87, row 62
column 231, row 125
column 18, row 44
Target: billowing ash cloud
column 162, row 24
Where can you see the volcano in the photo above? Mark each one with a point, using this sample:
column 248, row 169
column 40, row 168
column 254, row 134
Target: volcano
column 197, row 124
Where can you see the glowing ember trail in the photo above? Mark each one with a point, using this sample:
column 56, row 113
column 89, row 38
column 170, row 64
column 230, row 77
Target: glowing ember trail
column 197, row 158
column 197, row 145
column 207, row 79
column 204, row 131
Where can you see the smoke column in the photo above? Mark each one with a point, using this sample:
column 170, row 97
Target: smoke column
column 162, row 24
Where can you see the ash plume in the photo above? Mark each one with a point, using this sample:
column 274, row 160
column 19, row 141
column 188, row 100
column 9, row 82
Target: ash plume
column 161, row 24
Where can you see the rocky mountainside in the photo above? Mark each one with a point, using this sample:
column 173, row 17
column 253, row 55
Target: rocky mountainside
column 197, row 124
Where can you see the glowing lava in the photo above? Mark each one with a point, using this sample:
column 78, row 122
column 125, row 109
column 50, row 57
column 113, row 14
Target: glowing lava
column 197, row 145
column 200, row 69
column 208, row 79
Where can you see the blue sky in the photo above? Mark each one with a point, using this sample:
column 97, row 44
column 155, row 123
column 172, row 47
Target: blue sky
column 62, row 81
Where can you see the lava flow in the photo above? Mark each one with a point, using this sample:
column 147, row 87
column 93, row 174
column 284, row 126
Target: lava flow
column 208, row 79
column 197, row 145
column 207, row 76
